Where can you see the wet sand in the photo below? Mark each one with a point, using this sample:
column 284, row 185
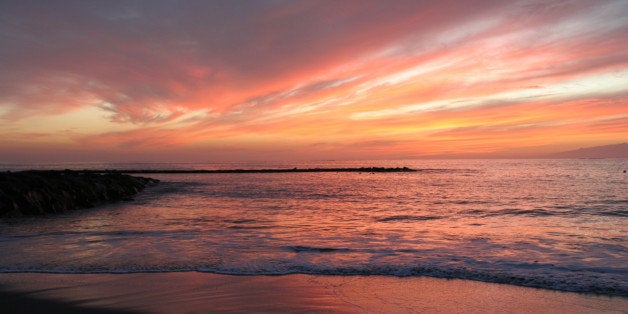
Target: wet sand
column 201, row 292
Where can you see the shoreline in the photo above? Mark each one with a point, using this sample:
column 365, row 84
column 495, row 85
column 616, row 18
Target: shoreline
column 202, row 292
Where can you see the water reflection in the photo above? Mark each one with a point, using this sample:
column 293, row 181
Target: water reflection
column 546, row 222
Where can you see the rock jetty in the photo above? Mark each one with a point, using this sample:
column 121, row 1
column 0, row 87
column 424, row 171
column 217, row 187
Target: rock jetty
column 279, row 170
column 46, row 192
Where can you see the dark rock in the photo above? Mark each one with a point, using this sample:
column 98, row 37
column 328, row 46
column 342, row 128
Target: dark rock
column 46, row 192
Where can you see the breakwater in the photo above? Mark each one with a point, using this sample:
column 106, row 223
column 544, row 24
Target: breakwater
column 45, row 192
column 279, row 170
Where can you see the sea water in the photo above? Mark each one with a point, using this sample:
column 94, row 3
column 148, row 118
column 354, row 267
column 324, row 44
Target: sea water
column 557, row 224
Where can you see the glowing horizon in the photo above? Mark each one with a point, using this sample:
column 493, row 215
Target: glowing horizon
column 215, row 81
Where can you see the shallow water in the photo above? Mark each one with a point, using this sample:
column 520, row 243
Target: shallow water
column 558, row 224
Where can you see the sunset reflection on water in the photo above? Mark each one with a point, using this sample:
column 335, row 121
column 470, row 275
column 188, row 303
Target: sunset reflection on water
column 558, row 224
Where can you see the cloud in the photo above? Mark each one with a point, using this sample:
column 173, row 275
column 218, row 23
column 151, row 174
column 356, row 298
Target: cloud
column 139, row 51
column 245, row 71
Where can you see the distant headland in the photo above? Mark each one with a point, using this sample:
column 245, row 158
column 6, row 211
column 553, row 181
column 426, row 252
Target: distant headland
column 606, row 151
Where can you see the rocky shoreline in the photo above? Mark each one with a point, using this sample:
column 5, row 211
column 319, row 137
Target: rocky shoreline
column 46, row 192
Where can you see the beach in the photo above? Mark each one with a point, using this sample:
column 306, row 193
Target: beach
column 188, row 292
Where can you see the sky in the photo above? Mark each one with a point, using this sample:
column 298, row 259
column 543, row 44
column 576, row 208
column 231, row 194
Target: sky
column 204, row 81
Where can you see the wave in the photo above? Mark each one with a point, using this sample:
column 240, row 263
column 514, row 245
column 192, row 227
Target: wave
column 526, row 212
column 573, row 283
column 299, row 249
column 616, row 213
column 151, row 233
column 553, row 211
column 407, row 217
column 616, row 201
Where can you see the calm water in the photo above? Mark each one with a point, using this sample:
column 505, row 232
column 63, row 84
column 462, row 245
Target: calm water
column 558, row 224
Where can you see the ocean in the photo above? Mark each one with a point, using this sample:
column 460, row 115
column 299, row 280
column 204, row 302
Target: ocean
column 555, row 224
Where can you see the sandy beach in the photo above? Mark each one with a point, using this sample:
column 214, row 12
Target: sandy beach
column 188, row 292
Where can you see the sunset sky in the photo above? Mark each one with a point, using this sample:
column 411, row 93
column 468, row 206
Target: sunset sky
column 296, row 80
